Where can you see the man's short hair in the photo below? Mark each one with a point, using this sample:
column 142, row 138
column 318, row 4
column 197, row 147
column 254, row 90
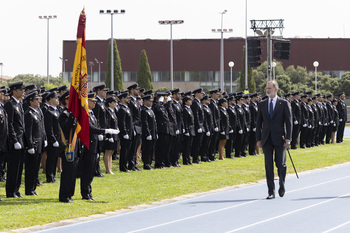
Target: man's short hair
column 274, row 83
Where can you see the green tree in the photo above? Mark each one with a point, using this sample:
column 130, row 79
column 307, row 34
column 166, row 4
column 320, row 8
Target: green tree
column 39, row 81
column 144, row 75
column 117, row 69
column 251, row 80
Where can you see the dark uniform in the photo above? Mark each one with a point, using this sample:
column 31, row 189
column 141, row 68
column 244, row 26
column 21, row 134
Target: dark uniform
column 304, row 124
column 68, row 124
column 311, row 124
column 241, row 128
column 197, row 109
column 330, row 111
column 342, row 111
column 232, row 130
column 149, row 135
column 35, row 138
column 216, row 124
column 175, row 154
column 190, row 132
column 248, row 122
column 253, row 107
column 111, row 142
column 126, row 127
column 173, row 132
column 15, row 156
column 3, row 141
column 296, row 113
column 136, row 116
column 208, row 132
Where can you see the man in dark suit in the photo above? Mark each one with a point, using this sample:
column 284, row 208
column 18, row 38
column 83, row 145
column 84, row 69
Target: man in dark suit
column 35, row 138
column 15, row 157
column 149, row 132
column 274, row 133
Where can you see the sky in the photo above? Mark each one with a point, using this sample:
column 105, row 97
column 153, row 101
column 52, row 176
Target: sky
column 23, row 37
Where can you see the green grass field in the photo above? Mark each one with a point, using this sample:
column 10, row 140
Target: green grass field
column 121, row 191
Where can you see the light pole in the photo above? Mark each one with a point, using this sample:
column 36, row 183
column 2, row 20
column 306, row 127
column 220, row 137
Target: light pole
column 222, row 31
column 316, row 65
column 91, row 63
column 64, row 65
column 112, row 58
column 274, row 70
column 48, row 30
column 231, row 64
column 171, row 22
column 99, row 70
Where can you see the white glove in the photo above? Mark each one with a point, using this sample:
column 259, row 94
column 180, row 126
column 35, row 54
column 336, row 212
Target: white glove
column 319, row 123
column 304, row 125
column 240, row 131
column 134, row 133
column 157, row 137
column 296, row 122
column 200, row 130
column 111, row 140
column 100, row 137
column 168, row 99
column 161, row 99
column 331, row 122
column 112, row 131
column 183, row 130
column 126, row 136
column 208, row 134
column 17, row 146
column 31, row 151
column 187, row 134
column 254, row 129
column 247, row 129
column 45, row 143
column 177, row 132
column 149, row 138
column 231, row 131
column 340, row 120
column 334, row 125
column 310, row 126
column 222, row 133
column 56, row 144
column 216, row 129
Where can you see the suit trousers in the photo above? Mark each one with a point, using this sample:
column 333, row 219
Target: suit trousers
column 229, row 145
column 162, row 150
column 176, row 148
column 51, row 163
column 329, row 133
column 186, row 150
column 68, row 178
column 213, row 145
column 147, row 151
column 252, row 143
column 125, row 146
column 280, row 159
column 88, row 165
column 203, row 151
column 340, row 132
column 295, row 135
column 196, row 144
column 31, row 171
column 239, row 147
column 15, row 160
column 303, row 136
column 2, row 165
column 131, row 157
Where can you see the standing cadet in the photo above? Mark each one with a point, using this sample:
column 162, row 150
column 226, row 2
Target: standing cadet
column 149, row 132
column 197, row 110
column 311, row 123
column 330, row 111
column 15, row 156
column 224, row 127
column 89, row 155
column 4, row 132
column 175, row 154
column 342, row 111
column 126, row 128
column 296, row 112
column 35, row 138
column 232, row 127
column 241, row 128
column 208, row 129
column 246, row 133
column 163, row 126
column 304, row 122
column 190, row 132
column 111, row 142
column 335, row 120
column 54, row 139
column 253, row 107
column 315, row 131
column 100, row 114
column 136, row 117
column 173, row 132
column 70, row 162
column 216, row 123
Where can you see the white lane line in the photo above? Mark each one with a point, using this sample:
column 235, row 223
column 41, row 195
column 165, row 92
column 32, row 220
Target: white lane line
column 337, row 227
column 288, row 213
column 231, row 207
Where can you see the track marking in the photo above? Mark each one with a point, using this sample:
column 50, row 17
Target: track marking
column 288, row 213
column 335, row 228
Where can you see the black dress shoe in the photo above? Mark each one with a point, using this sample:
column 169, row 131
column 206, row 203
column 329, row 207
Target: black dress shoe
column 66, row 200
column 281, row 191
column 158, row 167
column 11, row 195
column 99, row 174
column 197, row 162
column 18, row 194
column 88, row 198
column 125, row 170
column 39, row 183
column 270, row 196
column 147, row 167
column 29, row 194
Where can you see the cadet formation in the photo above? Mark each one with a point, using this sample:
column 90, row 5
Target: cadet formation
column 160, row 130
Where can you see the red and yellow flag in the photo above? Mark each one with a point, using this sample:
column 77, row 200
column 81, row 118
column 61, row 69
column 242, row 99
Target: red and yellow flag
column 78, row 93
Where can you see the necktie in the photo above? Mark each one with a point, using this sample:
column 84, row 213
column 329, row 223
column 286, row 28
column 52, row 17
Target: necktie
column 271, row 109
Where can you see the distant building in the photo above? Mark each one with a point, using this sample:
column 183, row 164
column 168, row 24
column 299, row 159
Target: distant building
column 197, row 61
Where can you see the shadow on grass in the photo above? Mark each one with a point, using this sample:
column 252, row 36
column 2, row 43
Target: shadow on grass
column 26, row 201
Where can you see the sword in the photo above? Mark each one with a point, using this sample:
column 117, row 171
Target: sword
column 296, row 173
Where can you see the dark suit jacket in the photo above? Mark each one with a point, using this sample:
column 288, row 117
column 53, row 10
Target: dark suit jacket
column 149, row 124
column 100, row 113
column 35, row 130
column 162, row 118
column 189, row 121
column 15, row 122
column 136, row 114
column 3, row 130
column 278, row 127
column 125, row 122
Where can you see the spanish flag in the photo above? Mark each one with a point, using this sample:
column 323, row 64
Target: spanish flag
column 78, row 93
